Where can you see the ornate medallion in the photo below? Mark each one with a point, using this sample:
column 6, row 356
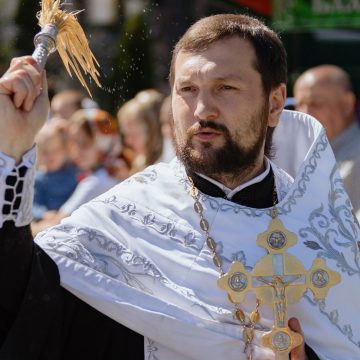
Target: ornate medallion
column 319, row 278
column 238, row 281
column 276, row 240
column 281, row 341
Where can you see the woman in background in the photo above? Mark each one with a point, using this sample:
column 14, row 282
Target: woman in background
column 139, row 119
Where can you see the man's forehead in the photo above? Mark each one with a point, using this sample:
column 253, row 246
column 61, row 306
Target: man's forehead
column 214, row 59
column 318, row 79
column 317, row 86
column 235, row 43
column 196, row 64
column 309, row 78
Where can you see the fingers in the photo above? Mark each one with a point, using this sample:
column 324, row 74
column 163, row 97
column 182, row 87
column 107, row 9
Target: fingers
column 44, row 84
column 43, row 90
column 24, row 59
column 23, row 80
column 294, row 324
column 24, row 89
column 297, row 353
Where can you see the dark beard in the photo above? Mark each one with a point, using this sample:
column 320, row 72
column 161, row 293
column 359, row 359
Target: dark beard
column 231, row 160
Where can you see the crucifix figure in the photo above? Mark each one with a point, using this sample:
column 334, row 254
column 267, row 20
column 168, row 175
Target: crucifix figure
column 278, row 279
column 279, row 286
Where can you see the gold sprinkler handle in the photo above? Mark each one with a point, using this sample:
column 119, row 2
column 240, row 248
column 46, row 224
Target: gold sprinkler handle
column 45, row 44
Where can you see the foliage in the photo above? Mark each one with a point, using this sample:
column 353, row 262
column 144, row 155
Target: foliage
column 132, row 70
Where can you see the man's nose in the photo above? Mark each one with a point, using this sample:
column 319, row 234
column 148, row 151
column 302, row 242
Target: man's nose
column 206, row 107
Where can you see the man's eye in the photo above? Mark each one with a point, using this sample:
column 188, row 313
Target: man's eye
column 226, row 87
column 187, row 88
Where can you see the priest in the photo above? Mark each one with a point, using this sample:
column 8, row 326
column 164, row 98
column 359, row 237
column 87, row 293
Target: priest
column 219, row 254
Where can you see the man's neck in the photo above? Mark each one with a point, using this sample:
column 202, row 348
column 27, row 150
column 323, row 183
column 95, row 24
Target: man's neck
column 231, row 192
column 257, row 192
column 235, row 180
column 343, row 133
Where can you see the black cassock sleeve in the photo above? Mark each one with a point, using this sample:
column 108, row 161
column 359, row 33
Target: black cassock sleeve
column 40, row 320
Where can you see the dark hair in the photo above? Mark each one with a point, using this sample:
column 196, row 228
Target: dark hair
column 270, row 53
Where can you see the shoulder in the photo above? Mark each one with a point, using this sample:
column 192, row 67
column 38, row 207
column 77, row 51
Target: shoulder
column 99, row 177
column 159, row 177
column 283, row 180
column 70, row 168
column 160, row 186
column 39, row 175
column 41, row 178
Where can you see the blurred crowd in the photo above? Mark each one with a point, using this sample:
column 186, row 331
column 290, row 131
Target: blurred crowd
column 326, row 92
column 82, row 150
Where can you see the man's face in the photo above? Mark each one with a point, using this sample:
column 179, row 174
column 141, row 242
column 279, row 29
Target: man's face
column 324, row 101
column 52, row 153
column 220, row 113
column 83, row 150
column 134, row 134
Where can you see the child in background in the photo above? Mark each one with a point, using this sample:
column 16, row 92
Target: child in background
column 56, row 177
column 96, row 149
column 94, row 144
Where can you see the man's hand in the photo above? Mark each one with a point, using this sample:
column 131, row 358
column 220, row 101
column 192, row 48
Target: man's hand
column 24, row 106
column 298, row 353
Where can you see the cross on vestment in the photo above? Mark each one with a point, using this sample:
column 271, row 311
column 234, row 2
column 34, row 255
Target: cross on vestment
column 278, row 279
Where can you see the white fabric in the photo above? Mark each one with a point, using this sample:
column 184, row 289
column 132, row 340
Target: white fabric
column 137, row 254
column 87, row 189
column 23, row 215
column 293, row 138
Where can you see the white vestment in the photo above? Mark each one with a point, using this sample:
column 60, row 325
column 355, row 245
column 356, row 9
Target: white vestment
column 137, row 254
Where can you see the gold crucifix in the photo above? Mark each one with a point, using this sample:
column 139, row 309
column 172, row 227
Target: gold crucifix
column 278, row 279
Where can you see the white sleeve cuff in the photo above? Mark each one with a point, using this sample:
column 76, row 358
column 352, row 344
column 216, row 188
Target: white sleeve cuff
column 17, row 188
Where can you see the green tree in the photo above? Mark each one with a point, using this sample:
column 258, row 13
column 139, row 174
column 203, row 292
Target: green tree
column 133, row 62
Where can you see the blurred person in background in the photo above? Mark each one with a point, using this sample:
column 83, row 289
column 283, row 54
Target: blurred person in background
column 56, row 176
column 166, row 121
column 325, row 92
column 139, row 120
column 96, row 149
column 66, row 102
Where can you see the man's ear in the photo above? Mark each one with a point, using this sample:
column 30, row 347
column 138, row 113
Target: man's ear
column 349, row 103
column 277, row 99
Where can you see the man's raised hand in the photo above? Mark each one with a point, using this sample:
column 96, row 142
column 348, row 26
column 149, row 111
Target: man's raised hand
column 24, row 106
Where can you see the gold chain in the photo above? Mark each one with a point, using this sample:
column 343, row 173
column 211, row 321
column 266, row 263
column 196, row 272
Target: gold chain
column 248, row 329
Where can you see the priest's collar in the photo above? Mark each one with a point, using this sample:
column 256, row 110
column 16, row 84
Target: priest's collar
column 257, row 192
column 229, row 193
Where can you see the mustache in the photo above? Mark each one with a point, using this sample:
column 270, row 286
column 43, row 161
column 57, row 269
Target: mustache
column 202, row 124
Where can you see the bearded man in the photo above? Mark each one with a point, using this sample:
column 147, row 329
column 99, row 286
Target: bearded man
column 149, row 253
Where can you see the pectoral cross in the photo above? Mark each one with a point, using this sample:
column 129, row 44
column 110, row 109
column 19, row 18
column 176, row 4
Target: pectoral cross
column 278, row 279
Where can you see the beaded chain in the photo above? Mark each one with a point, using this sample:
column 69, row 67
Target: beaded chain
column 254, row 318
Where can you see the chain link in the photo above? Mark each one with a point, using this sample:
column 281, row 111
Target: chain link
column 248, row 327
